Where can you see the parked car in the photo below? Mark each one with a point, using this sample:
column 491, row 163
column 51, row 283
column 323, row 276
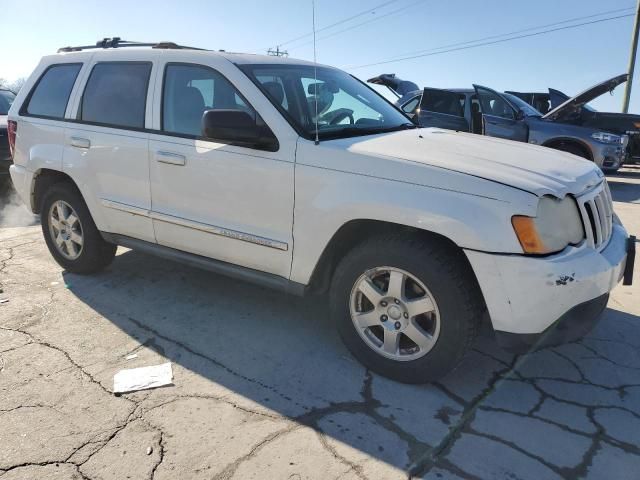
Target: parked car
column 6, row 99
column 577, row 111
column 484, row 111
column 220, row 160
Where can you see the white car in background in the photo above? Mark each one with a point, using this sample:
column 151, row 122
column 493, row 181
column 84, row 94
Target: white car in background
column 300, row 177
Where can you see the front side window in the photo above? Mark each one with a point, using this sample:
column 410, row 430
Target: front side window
column 51, row 94
column 6, row 99
column 116, row 94
column 337, row 103
column 190, row 90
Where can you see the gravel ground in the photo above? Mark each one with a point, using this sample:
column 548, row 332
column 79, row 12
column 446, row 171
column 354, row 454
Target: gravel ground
column 264, row 389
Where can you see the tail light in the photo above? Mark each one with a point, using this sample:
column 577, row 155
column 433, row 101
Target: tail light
column 12, row 129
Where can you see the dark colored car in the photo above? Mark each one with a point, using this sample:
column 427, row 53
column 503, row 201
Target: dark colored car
column 6, row 99
column 488, row 112
column 583, row 114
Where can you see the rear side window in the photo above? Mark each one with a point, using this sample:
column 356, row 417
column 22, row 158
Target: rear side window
column 6, row 99
column 116, row 94
column 441, row 101
column 51, row 94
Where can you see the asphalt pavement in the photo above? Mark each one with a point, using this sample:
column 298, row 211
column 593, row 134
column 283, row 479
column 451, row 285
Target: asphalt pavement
column 264, row 389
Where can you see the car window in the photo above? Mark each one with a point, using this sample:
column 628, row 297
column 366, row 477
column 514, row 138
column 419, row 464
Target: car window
column 527, row 109
column 334, row 101
column 441, row 101
column 51, row 94
column 116, row 94
column 493, row 104
column 188, row 91
column 6, row 99
column 411, row 105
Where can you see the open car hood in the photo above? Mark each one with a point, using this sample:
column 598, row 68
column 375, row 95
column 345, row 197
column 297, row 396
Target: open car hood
column 389, row 80
column 573, row 104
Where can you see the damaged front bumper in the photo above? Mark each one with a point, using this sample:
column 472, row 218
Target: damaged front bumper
column 531, row 297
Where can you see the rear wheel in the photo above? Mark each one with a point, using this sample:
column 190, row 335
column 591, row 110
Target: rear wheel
column 406, row 308
column 70, row 233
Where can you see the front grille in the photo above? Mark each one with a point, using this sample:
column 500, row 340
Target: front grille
column 596, row 209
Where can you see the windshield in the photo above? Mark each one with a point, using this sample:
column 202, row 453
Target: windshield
column 527, row 109
column 341, row 105
column 6, row 99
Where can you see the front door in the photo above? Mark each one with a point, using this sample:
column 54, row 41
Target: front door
column 499, row 117
column 230, row 203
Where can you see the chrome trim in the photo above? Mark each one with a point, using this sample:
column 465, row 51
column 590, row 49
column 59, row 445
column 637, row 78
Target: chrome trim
column 221, row 231
column 124, row 207
column 203, row 227
column 597, row 202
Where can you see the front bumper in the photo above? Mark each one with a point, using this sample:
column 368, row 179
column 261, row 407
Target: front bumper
column 526, row 295
column 609, row 157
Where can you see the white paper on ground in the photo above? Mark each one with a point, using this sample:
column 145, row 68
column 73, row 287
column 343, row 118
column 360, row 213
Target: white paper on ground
column 133, row 379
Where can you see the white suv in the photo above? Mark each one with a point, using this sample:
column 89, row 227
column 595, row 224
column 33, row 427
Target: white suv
column 301, row 178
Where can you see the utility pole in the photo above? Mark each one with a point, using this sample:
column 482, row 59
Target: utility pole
column 283, row 53
column 632, row 61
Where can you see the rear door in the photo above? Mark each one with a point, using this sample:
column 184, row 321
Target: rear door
column 443, row 109
column 106, row 145
column 500, row 118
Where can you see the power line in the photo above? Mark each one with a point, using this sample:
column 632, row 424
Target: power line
column 393, row 12
column 570, row 20
column 344, row 20
column 400, row 59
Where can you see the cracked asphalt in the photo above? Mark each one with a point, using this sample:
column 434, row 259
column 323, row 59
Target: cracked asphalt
column 263, row 387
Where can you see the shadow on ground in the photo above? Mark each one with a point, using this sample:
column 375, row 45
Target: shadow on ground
column 283, row 353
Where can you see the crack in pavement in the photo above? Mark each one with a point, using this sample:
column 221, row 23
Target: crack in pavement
column 422, row 456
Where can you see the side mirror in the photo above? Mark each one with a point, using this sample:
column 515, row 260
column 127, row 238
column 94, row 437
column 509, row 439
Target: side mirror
column 238, row 127
column 520, row 115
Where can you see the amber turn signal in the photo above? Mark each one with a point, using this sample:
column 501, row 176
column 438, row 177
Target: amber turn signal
column 527, row 234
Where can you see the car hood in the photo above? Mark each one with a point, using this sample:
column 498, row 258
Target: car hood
column 389, row 80
column 534, row 169
column 566, row 108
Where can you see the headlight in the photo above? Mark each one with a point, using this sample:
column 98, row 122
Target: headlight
column 604, row 137
column 557, row 224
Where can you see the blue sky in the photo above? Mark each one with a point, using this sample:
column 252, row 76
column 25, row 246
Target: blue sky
column 569, row 60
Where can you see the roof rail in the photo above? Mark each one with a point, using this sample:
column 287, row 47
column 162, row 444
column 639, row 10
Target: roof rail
column 117, row 42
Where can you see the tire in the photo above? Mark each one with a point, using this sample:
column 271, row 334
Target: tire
column 93, row 253
column 450, row 284
column 573, row 149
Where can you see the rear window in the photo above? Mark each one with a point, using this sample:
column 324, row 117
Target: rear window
column 440, row 101
column 6, row 99
column 116, row 94
column 51, row 94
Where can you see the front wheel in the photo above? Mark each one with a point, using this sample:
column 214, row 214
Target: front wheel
column 70, row 233
column 405, row 307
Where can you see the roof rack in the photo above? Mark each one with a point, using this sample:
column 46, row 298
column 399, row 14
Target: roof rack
column 117, row 42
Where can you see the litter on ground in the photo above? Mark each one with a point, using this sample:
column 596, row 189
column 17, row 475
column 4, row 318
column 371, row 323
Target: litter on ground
column 143, row 378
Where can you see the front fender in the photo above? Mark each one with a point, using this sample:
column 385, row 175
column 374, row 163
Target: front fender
column 328, row 199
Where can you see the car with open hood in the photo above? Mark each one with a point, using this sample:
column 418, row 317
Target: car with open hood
column 301, row 178
column 485, row 111
column 575, row 110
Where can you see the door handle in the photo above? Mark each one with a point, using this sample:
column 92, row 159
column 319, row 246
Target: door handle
column 80, row 142
column 171, row 158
